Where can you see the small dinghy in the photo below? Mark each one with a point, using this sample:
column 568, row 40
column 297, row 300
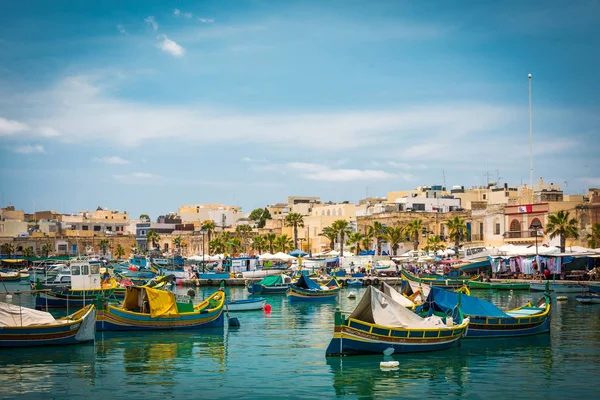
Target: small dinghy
column 588, row 299
column 247, row 304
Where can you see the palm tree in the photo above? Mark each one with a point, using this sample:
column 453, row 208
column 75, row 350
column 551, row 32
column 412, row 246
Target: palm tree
column 330, row 234
column 356, row 239
column 296, row 220
column 234, row 245
column 594, row 238
column 434, row 243
column 104, row 243
column 145, row 217
column 414, row 229
column 134, row 248
column 243, row 232
column 217, row 246
column 559, row 224
column 209, row 227
column 28, row 252
column 377, row 231
column 119, row 251
column 456, row 229
column 270, row 239
column 342, row 228
column 259, row 243
column 394, row 235
column 283, row 243
column 153, row 237
column 177, row 241
column 8, row 248
column 46, row 249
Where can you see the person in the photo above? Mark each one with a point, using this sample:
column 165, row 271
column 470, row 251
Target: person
column 547, row 274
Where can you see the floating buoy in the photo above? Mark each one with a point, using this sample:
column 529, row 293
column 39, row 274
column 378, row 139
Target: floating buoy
column 8, row 296
column 389, row 364
column 234, row 322
column 191, row 293
column 351, row 295
column 561, row 298
column 267, row 308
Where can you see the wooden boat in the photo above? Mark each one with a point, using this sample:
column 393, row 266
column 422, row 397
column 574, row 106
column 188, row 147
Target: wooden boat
column 354, row 282
column 271, row 285
column 594, row 288
column 559, row 287
column 246, row 304
column 591, row 298
column 499, row 285
column 379, row 325
column 448, row 282
column 305, row 289
column 487, row 320
column 10, row 277
column 25, row 327
column 146, row 308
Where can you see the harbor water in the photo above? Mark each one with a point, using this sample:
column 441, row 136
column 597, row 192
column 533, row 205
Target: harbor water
column 282, row 355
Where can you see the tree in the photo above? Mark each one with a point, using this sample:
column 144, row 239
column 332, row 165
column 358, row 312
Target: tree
column 243, row 232
column 234, row 245
column 153, row 237
column 456, row 229
column 217, row 246
column 259, row 243
column 209, row 227
column 559, row 224
column 377, row 231
column 270, row 239
column 134, row 248
column 330, row 234
column 8, row 249
column 394, row 235
column 177, row 242
column 28, row 252
column 414, row 229
column 46, row 249
column 434, row 243
column 119, row 251
column 104, row 243
column 145, row 217
column 260, row 216
column 283, row 243
column 356, row 240
column 341, row 228
column 296, row 220
column 593, row 239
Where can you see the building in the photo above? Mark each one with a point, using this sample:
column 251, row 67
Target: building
column 221, row 214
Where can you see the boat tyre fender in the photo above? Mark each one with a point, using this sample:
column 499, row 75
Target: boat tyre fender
column 344, row 282
column 376, row 281
column 239, row 276
column 209, row 282
column 367, row 282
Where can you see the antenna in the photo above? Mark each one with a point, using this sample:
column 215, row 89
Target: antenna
column 367, row 191
column 444, row 175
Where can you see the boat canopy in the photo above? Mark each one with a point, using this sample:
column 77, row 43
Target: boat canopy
column 397, row 297
column 12, row 315
column 445, row 301
column 376, row 307
column 272, row 280
column 305, row 282
column 161, row 302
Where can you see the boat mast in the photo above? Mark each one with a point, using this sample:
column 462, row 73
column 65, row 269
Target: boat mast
column 530, row 141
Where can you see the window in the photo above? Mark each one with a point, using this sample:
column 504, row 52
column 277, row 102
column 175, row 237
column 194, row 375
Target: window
column 481, row 228
column 515, row 226
column 73, row 227
column 95, row 269
column 109, row 228
column 97, row 228
column 418, row 207
column 106, row 217
column 62, row 247
column 85, row 270
column 65, row 279
column 497, row 229
column 328, row 213
column 75, row 270
column 340, row 212
column 143, row 233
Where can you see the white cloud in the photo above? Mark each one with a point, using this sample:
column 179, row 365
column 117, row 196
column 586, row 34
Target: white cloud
column 121, row 29
column 142, row 178
column 29, row 149
column 115, row 160
column 253, row 160
column 169, row 46
column 206, row 20
column 187, row 15
column 319, row 172
column 151, row 22
column 177, row 12
column 10, row 127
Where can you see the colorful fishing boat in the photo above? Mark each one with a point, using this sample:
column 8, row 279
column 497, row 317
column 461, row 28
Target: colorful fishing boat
column 246, row 304
column 25, row 327
column 559, row 287
column 270, row 285
column 10, row 276
column 487, row 320
column 305, row 289
column 380, row 325
column 354, row 282
column 438, row 280
column 591, row 298
column 146, row 308
column 499, row 285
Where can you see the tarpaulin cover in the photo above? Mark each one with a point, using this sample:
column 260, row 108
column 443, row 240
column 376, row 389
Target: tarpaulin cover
column 162, row 303
column 445, row 301
column 272, row 280
column 306, row 283
column 11, row 315
column 397, row 297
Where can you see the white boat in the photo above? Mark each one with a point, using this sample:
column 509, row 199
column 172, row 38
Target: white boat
column 260, row 273
column 246, row 304
column 558, row 287
column 588, row 299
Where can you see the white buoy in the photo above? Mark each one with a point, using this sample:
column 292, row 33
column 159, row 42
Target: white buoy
column 561, row 298
column 389, row 364
column 352, row 295
column 8, row 296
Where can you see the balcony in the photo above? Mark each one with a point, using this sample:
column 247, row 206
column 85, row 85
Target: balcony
column 522, row 236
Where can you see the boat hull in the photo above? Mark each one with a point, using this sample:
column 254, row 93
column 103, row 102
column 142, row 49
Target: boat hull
column 297, row 294
column 478, row 328
column 440, row 282
column 256, row 288
column 558, row 288
column 588, row 299
column 246, row 305
column 355, row 284
column 498, row 285
column 75, row 298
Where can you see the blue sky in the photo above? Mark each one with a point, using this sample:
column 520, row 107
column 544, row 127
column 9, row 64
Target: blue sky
column 144, row 106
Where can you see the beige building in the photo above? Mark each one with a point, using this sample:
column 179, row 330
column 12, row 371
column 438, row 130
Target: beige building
column 222, row 215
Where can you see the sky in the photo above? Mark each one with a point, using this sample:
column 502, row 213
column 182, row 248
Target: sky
column 145, row 106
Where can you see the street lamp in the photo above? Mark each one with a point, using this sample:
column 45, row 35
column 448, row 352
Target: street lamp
column 534, row 228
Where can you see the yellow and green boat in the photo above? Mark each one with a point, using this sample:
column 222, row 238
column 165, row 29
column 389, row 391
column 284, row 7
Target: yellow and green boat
column 499, row 285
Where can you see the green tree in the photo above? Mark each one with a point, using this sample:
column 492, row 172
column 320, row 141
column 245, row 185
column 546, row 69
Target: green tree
column 153, row 238
column 377, row 232
column 134, row 248
column 457, row 227
column 28, row 252
column 259, row 243
column 217, row 246
column 260, row 216
column 394, row 235
column 270, row 239
column 413, row 230
column 593, row 239
column 560, row 224
column 330, row 234
column 342, row 228
column 145, row 217
column 8, row 249
column 243, row 233
column 104, row 243
column 234, row 245
column 177, row 242
column 295, row 220
column 209, row 227
column 356, row 240
column 283, row 243
column 46, row 249
column 119, row 252
column 434, row 243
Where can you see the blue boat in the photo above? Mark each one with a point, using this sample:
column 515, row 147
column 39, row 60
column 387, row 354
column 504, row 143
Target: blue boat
column 487, row 320
column 273, row 284
column 305, row 289
column 354, row 283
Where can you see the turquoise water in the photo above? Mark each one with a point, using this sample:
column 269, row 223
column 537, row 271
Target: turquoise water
column 281, row 355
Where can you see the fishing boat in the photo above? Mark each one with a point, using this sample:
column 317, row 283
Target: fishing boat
column 396, row 296
column 25, row 327
column 487, row 320
column 305, row 289
column 270, row 285
column 380, row 325
column 499, row 285
column 594, row 288
column 10, row 277
column 146, row 308
column 354, row 282
column 591, row 298
column 559, row 287
column 246, row 304
column 438, row 280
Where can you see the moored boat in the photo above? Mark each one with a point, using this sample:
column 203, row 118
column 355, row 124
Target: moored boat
column 25, row 327
column 559, row 287
column 455, row 282
column 591, row 298
column 271, row 285
column 305, row 289
column 246, row 304
column 380, row 325
column 10, row 276
column 354, row 282
column 499, row 285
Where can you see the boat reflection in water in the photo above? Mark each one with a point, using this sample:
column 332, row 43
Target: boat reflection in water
column 474, row 368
